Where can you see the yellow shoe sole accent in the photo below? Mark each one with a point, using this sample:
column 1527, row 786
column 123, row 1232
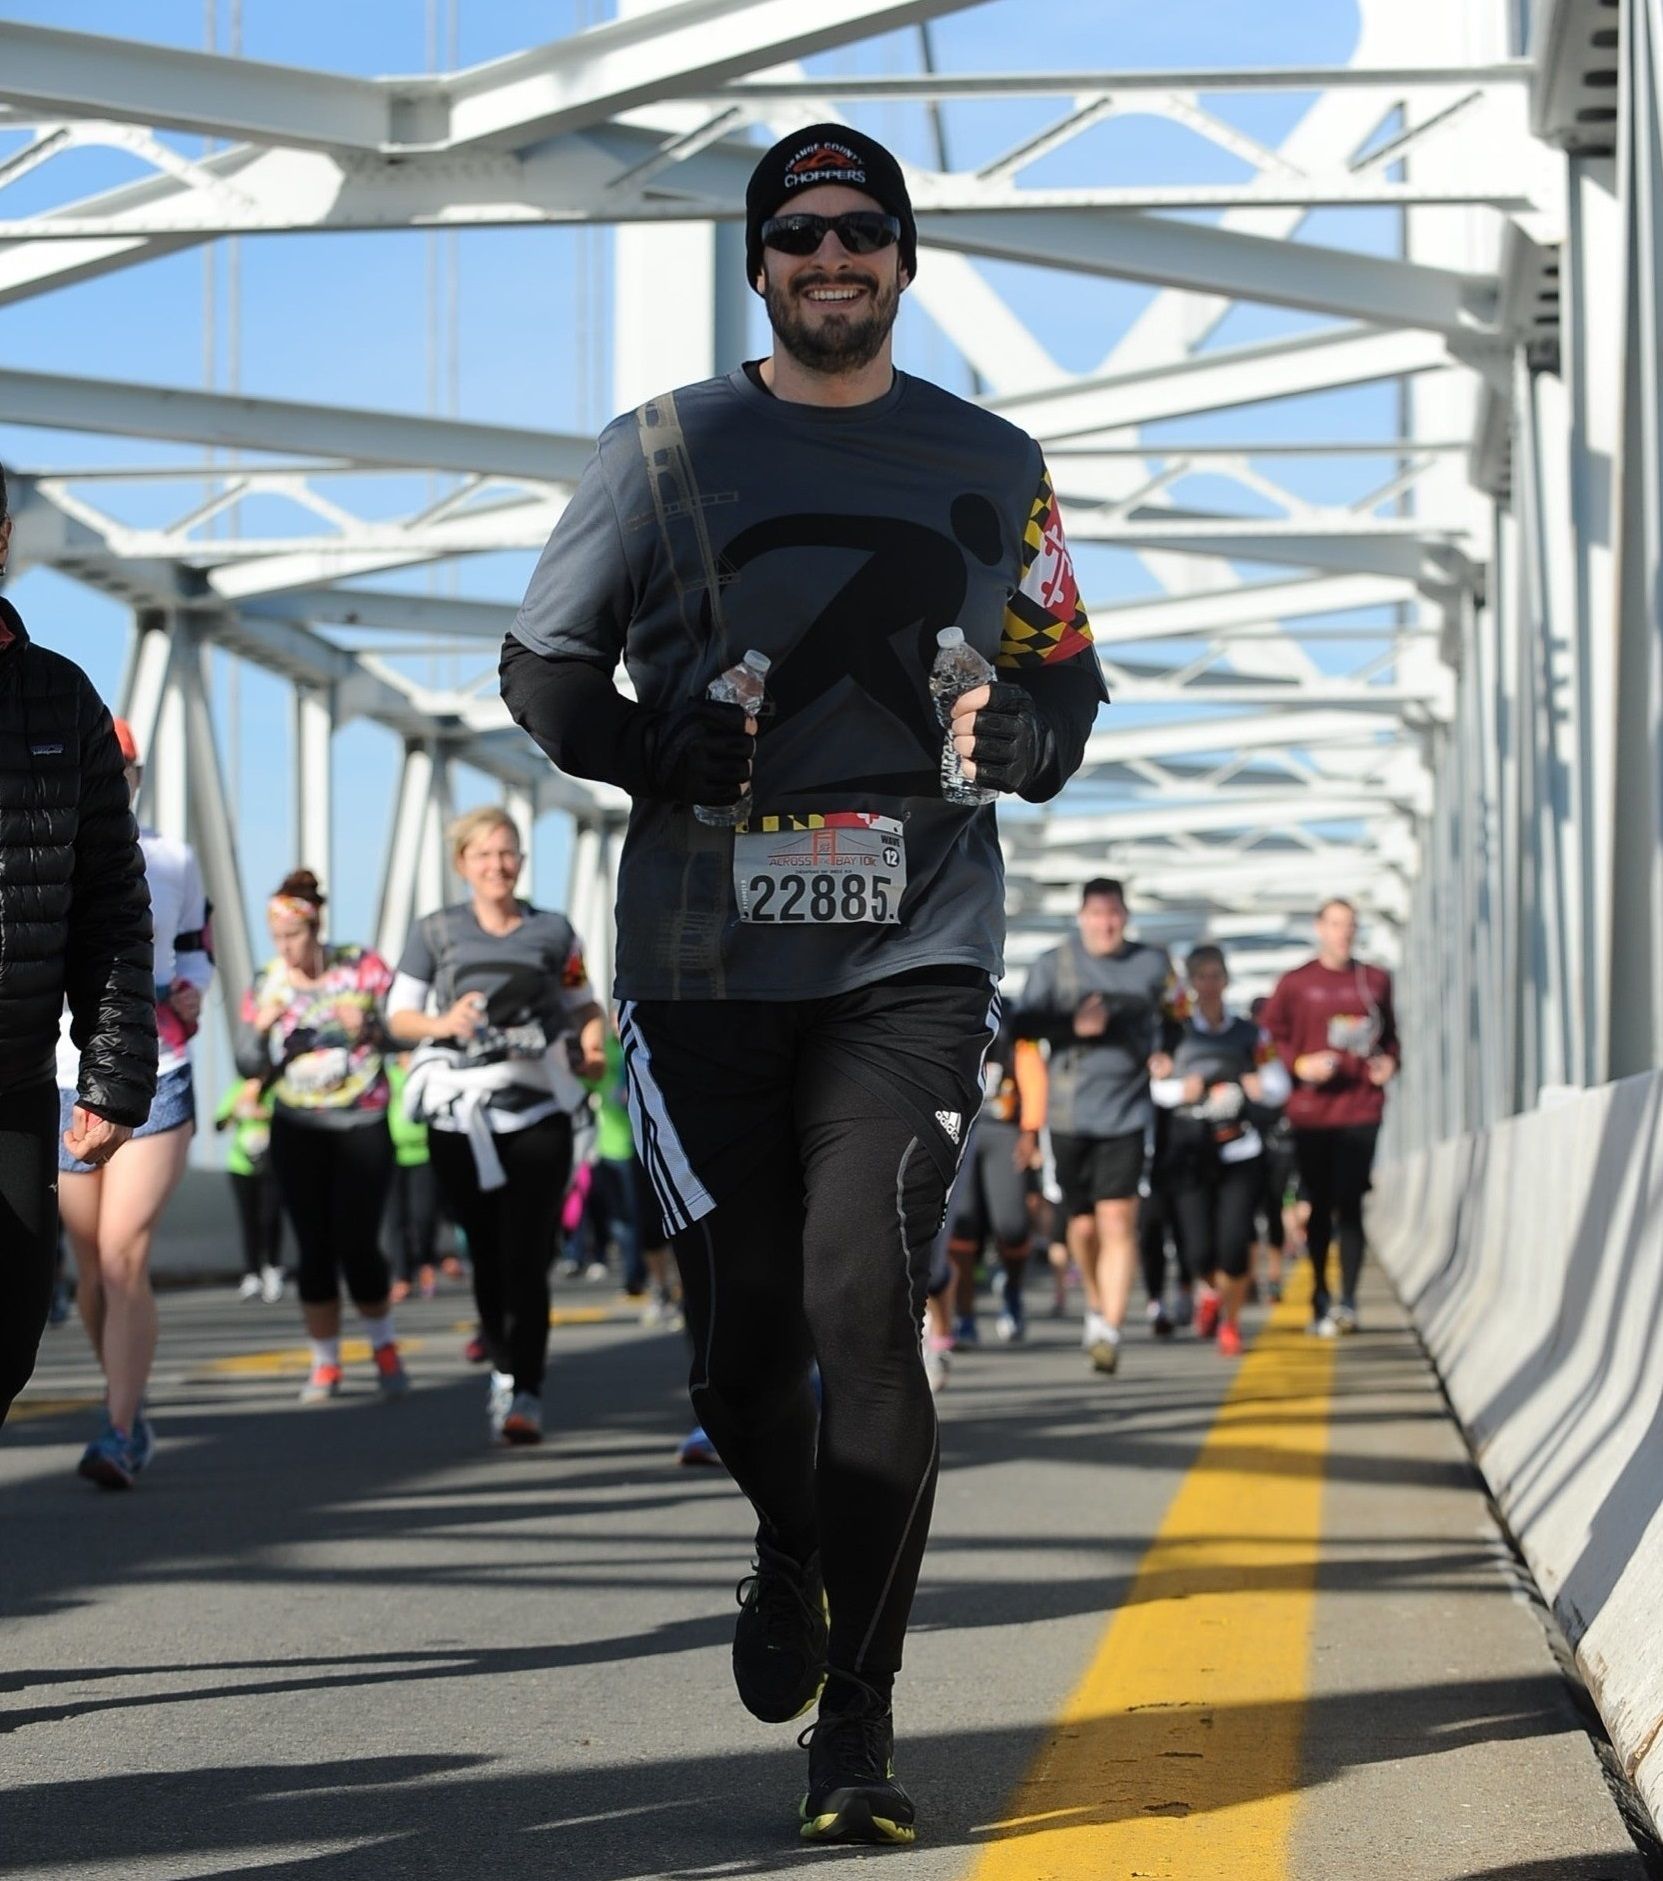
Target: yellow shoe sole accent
column 831, row 1827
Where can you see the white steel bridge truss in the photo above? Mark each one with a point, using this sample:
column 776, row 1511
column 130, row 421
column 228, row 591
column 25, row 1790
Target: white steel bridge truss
column 1463, row 770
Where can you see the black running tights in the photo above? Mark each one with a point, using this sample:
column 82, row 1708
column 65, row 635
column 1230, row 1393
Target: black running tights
column 412, row 1224
column 1213, row 1204
column 1156, row 1223
column 334, row 1181
column 1334, row 1170
column 260, row 1217
column 863, row 1208
column 28, row 1229
column 511, row 1234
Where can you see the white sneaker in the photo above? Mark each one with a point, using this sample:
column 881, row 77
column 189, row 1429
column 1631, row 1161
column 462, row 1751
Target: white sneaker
column 597, row 1270
column 1344, row 1318
column 250, row 1288
column 1328, row 1327
column 499, row 1400
column 272, row 1288
column 1093, row 1331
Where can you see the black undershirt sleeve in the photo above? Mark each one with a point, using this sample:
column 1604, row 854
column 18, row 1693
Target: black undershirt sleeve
column 1065, row 699
column 575, row 714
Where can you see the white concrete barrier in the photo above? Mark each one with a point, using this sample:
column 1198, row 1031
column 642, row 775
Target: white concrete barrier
column 1531, row 1257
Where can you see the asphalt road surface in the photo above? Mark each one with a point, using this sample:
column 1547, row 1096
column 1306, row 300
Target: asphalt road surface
column 1200, row 1621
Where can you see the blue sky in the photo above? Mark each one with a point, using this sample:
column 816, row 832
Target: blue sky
column 342, row 318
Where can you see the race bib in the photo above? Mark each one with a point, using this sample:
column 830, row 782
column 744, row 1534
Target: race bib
column 313, row 1073
column 1351, row 1032
column 821, row 871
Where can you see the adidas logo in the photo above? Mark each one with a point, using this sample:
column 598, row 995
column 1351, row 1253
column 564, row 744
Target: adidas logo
column 950, row 1121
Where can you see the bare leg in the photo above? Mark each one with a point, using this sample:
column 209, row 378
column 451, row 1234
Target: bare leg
column 78, row 1200
column 1088, row 1282
column 1057, row 1255
column 1232, row 1295
column 1117, row 1257
column 1083, row 1249
column 322, row 1318
column 135, row 1186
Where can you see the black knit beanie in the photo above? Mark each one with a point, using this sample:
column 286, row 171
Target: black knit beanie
column 826, row 153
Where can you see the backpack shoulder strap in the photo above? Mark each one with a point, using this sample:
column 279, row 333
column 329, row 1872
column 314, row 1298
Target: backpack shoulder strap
column 441, row 945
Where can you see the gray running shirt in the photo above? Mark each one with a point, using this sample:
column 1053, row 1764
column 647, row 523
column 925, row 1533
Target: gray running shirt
column 1099, row 1086
column 844, row 540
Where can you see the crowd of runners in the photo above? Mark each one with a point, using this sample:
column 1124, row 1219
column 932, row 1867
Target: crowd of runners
column 835, row 1115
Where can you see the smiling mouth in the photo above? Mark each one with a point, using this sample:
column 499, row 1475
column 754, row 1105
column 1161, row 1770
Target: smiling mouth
column 832, row 296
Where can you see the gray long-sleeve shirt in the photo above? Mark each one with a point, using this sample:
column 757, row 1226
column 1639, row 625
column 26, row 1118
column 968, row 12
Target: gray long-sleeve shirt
column 842, row 540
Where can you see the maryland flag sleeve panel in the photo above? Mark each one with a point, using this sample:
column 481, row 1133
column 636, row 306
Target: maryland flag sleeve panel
column 1045, row 621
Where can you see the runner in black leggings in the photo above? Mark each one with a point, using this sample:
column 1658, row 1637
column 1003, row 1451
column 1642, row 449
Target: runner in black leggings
column 312, row 1033
column 1334, row 1026
column 807, row 981
column 1215, row 1158
column 496, row 993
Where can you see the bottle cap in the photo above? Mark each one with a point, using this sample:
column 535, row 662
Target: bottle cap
column 757, row 662
column 950, row 637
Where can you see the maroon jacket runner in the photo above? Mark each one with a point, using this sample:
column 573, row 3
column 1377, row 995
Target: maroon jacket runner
column 1347, row 1010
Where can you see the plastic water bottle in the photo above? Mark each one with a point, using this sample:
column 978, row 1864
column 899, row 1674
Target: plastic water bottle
column 958, row 669
column 746, row 685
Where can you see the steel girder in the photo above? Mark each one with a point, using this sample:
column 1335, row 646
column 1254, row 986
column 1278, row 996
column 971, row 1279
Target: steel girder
column 1329, row 785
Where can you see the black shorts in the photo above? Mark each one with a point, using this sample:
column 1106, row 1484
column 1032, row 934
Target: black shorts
column 1093, row 1169
column 990, row 1198
column 717, row 1086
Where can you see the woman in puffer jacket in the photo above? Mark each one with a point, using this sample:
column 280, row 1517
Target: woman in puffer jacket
column 75, row 926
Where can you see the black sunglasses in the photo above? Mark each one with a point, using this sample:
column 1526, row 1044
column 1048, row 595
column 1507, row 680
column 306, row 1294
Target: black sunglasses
column 862, row 232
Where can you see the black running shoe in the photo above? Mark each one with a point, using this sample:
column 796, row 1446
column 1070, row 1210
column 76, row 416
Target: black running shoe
column 852, row 1792
column 779, row 1643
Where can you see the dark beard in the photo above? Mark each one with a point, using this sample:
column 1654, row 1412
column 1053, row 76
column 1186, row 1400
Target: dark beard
column 842, row 343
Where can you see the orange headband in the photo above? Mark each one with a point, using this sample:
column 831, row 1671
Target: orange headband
column 292, row 907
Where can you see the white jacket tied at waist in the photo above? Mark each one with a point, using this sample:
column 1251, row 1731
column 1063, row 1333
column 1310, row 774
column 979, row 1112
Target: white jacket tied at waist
column 441, row 1086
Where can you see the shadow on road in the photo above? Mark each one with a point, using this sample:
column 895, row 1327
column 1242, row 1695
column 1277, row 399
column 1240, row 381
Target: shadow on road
column 382, row 1819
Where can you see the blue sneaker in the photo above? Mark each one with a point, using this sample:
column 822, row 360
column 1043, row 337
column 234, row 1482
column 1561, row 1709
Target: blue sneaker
column 697, row 1451
column 109, row 1461
column 966, row 1332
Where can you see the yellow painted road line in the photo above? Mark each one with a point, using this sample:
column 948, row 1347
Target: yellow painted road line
column 291, row 1360
column 1177, row 1758
column 624, row 1315
column 296, row 1358
column 27, row 1410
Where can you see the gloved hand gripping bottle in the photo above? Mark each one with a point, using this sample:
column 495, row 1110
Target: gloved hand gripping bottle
column 958, row 669
column 744, row 684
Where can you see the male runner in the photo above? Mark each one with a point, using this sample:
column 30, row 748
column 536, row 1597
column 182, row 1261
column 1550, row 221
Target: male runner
column 806, row 1003
column 1098, row 1000
column 1333, row 1024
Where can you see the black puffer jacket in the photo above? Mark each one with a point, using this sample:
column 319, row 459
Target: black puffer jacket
column 74, row 907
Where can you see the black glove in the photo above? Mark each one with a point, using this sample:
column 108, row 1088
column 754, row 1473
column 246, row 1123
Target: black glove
column 699, row 753
column 1010, row 746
